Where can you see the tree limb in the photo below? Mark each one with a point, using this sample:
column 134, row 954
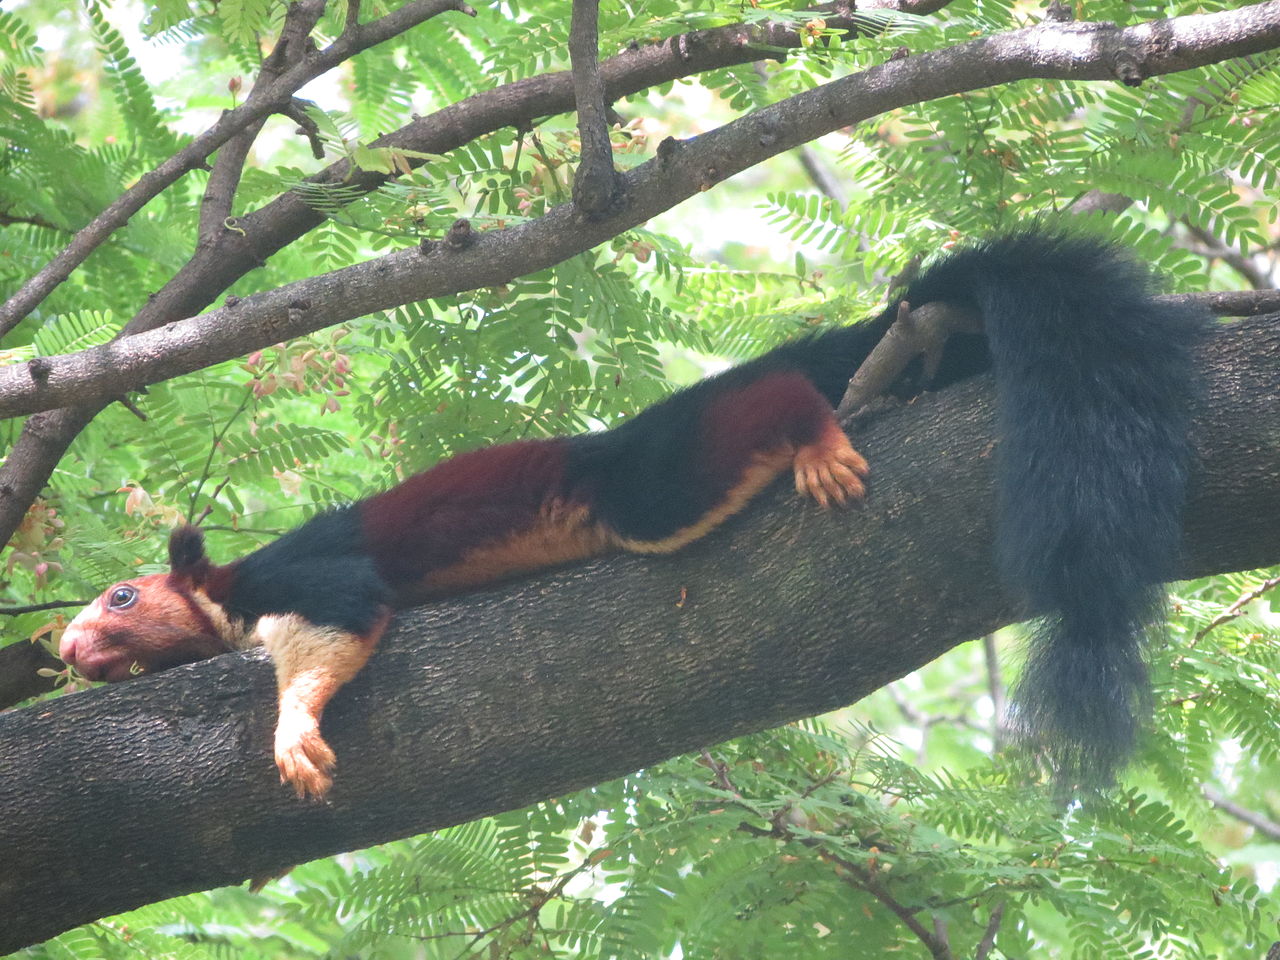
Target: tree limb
column 1265, row 826
column 1233, row 303
column 165, row 784
column 292, row 48
column 596, row 182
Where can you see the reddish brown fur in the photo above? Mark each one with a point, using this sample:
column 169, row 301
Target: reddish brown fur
column 777, row 413
column 165, row 627
column 438, row 519
column 559, row 534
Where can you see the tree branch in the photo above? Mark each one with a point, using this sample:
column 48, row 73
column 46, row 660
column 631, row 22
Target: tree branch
column 596, row 183
column 1268, row 828
column 1211, row 248
column 292, row 48
column 1233, row 303
column 788, row 611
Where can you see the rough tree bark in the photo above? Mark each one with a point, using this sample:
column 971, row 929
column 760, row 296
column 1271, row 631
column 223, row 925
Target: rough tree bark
column 123, row 795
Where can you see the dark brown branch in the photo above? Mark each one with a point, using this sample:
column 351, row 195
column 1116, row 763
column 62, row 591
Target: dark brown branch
column 20, row 666
column 295, row 43
column 788, row 611
column 1096, row 200
column 30, row 462
column 596, row 183
column 254, row 109
column 988, row 941
column 924, row 332
column 297, row 112
column 864, row 879
column 37, row 607
column 818, row 171
column 291, row 49
column 917, row 7
column 1211, row 248
column 8, row 219
column 1237, row 608
column 224, row 180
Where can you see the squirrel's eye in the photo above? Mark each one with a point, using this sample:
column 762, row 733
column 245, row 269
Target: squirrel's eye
column 122, row 598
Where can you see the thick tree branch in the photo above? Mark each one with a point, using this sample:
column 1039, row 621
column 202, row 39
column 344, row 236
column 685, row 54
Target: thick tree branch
column 224, row 180
column 20, row 664
column 258, row 106
column 492, row 701
column 1081, row 51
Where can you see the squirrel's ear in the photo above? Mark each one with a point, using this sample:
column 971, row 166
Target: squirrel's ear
column 186, row 553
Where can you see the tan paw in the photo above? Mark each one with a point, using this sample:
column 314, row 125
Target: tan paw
column 305, row 761
column 830, row 470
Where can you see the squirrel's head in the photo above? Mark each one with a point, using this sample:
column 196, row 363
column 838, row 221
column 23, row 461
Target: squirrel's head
column 154, row 622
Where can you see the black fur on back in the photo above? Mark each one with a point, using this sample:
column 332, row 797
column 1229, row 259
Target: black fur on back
column 645, row 476
column 1095, row 380
column 320, row 570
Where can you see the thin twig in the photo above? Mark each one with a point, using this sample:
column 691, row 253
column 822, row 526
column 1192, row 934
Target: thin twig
column 218, row 437
column 36, row 607
column 1214, row 249
column 988, row 940
column 721, row 771
column 1235, row 610
column 866, row 880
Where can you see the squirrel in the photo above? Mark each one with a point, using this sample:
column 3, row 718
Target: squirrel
column 1095, row 379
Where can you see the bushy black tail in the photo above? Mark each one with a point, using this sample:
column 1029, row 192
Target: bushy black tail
column 1095, row 381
